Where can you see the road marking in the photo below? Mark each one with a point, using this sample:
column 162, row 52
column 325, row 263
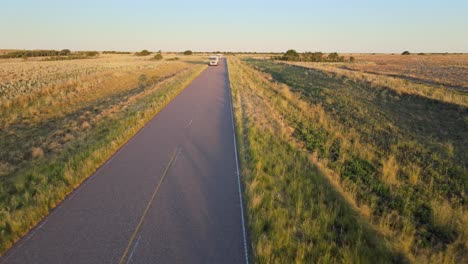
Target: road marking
column 238, row 179
column 130, row 242
column 133, row 250
column 190, row 123
column 43, row 222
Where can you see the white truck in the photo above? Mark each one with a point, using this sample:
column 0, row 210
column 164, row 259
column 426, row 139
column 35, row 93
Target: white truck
column 213, row 61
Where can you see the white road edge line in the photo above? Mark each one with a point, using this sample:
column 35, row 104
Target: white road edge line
column 237, row 172
column 43, row 223
column 133, row 250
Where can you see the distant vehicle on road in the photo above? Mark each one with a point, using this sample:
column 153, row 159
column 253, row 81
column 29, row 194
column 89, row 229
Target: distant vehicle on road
column 219, row 55
column 213, row 61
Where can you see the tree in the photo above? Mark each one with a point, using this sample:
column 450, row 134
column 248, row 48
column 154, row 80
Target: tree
column 352, row 59
column 291, row 55
column 317, row 56
column 188, row 52
column 333, row 57
column 65, row 52
column 405, row 53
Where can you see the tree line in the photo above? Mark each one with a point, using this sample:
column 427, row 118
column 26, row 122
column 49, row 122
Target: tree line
column 292, row 55
column 46, row 53
column 115, row 52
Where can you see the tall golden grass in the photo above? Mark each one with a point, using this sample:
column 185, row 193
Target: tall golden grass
column 360, row 161
column 294, row 213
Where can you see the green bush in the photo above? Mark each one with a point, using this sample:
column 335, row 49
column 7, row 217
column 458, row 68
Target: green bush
column 405, row 53
column 158, row 56
column 65, row 52
column 143, row 53
column 291, row 55
column 317, row 56
column 333, row 57
column 188, row 52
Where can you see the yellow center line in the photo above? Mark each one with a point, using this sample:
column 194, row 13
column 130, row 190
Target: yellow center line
column 130, row 242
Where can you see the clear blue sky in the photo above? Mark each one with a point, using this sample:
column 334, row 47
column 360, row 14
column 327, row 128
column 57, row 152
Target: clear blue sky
column 171, row 25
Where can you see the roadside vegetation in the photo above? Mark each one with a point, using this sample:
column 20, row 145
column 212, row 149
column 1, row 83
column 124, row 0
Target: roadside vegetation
column 392, row 152
column 60, row 120
column 294, row 213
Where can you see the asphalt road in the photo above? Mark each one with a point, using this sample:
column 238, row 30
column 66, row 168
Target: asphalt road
column 170, row 195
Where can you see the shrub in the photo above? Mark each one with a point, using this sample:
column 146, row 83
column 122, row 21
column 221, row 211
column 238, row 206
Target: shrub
column 115, row 52
column 315, row 57
column 333, row 57
column 30, row 53
column 143, row 53
column 405, row 53
column 188, row 52
column 85, row 125
column 352, row 59
column 37, row 152
column 143, row 81
column 90, row 53
column 291, row 55
column 65, row 52
column 158, row 56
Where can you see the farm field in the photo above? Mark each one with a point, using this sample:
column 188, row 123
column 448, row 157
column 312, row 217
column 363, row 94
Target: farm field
column 60, row 120
column 354, row 165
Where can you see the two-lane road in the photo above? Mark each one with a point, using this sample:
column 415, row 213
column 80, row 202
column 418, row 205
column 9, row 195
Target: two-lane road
column 170, row 195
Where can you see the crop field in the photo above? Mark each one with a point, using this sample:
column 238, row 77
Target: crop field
column 60, row 120
column 343, row 163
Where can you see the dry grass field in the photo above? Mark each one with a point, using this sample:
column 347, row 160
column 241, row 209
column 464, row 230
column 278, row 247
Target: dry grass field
column 379, row 159
column 59, row 120
column 449, row 70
